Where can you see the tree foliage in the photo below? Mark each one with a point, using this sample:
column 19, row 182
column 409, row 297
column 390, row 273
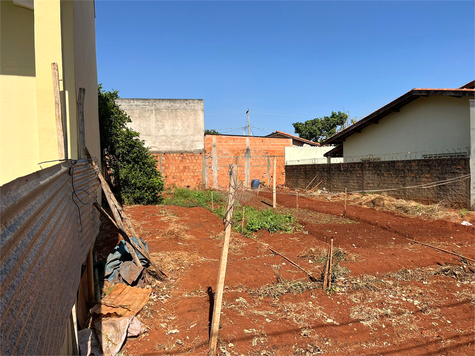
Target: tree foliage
column 134, row 170
column 321, row 128
column 211, row 132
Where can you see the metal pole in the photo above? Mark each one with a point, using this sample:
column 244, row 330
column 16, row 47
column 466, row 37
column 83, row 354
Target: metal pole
column 248, row 123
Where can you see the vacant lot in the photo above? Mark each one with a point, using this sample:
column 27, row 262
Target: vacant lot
column 391, row 296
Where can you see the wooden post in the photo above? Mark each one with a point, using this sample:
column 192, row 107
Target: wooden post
column 344, row 214
column 273, row 184
column 242, row 221
column 297, row 199
column 123, row 234
column 82, row 134
column 212, row 201
column 218, row 296
column 90, row 277
column 331, row 265
column 58, row 111
column 325, row 276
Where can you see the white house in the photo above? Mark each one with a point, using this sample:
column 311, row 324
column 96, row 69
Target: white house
column 420, row 123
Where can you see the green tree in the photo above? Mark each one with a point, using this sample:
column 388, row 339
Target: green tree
column 211, row 132
column 321, row 128
column 134, row 170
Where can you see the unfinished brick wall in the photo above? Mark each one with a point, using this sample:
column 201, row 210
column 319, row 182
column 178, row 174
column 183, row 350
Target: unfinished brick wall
column 253, row 156
column 364, row 176
column 181, row 169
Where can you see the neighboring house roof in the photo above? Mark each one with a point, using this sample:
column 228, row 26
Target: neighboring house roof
column 469, row 85
column 278, row 134
column 394, row 106
column 335, row 152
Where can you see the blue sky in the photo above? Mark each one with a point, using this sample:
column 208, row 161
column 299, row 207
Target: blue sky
column 285, row 61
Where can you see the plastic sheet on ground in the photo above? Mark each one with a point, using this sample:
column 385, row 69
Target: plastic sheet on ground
column 120, row 267
column 113, row 332
column 88, row 343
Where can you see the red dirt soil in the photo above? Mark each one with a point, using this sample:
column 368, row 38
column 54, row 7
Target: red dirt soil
column 400, row 298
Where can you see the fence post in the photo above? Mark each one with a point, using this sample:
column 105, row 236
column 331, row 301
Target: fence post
column 218, row 296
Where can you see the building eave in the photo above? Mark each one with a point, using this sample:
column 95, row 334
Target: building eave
column 394, row 106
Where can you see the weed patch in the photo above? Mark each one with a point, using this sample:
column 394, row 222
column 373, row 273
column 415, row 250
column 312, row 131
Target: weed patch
column 192, row 198
column 269, row 219
column 254, row 219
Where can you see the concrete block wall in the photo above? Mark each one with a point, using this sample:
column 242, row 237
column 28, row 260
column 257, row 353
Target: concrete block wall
column 366, row 176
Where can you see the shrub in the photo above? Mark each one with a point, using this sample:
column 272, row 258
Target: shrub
column 134, row 170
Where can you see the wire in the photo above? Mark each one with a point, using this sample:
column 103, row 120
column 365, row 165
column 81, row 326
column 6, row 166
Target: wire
column 75, row 191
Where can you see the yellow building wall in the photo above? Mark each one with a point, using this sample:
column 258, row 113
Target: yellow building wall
column 19, row 154
column 69, row 77
column 86, row 72
column 48, row 50
column 55, row 31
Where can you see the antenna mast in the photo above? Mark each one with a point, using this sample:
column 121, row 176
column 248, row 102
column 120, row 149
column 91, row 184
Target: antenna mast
column 248, row 123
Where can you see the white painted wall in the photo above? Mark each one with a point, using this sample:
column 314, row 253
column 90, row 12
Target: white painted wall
column 167, row 125
column 428, row 124
column 308, row 155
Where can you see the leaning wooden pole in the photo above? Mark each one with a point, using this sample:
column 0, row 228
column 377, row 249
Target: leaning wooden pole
column 330, row 268
column 442, row 250
column 218, row 296
column 58, row 111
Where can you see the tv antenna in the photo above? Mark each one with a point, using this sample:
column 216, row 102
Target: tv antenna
column 249, row 133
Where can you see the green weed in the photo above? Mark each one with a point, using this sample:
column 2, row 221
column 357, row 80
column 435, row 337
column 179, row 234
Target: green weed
column 254, row 219
column 269, row 219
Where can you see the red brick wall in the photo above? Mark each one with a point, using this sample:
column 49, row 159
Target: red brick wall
column 181, row 169
column 233, row 149
column 186, row 169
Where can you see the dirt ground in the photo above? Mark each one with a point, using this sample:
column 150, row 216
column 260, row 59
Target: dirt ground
column 392, row 297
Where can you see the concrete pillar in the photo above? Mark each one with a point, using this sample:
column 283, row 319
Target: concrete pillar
column 215, row 164
column 205, row 170
column 329, row 160
column 472, row 154
column 248, row 163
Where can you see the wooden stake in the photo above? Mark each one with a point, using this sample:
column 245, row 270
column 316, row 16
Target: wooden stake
column 327, row 265
column 309, row 274
column 90, row 277
column 297, row 199
column 344, row 213
column 58, row 111
column 122, row 232
column 218, row 301
column 242, row 222
column 212, row 201
column 118, row 213
column 308, row 185
column 316, row 186
column 81, row 127
column 331, row 265
column 436, row 248
column 274, row 203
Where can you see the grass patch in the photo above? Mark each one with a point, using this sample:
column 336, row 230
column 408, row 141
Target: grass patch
column 254, row 219
column 193, row 198
column 269, row 219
